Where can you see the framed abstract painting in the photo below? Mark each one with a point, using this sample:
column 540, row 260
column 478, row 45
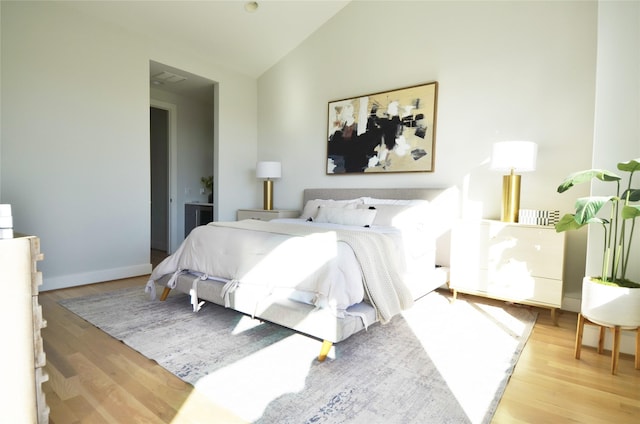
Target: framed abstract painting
column 390, row 131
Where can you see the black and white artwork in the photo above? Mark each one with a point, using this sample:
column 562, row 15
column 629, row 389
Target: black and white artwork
column 391, row 131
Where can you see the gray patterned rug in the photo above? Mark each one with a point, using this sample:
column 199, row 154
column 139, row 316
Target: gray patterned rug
column 439, row 362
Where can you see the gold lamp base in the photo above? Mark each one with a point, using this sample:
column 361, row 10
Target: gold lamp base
column 268, row 195
column 510, row 197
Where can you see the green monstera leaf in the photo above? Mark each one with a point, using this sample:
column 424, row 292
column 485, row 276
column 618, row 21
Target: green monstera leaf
column 588, row 207
column 630, row 166
column 586, row 176
column 634, row 195
column 568, row 222
column 630, row 212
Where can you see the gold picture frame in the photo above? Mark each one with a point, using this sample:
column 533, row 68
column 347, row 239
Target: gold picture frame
column 385, row 132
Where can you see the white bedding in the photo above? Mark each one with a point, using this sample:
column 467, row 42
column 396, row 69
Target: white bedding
column 313, row 268
column 415, row 243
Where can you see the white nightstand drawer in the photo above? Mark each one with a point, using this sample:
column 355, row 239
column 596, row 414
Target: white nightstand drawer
column 264, row 215
column 524, row 288
column 540, row 249
column 509, row 261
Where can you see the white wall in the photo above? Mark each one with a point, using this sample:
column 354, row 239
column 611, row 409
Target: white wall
column 75, row 138
column 506, row 70
column 617, row 122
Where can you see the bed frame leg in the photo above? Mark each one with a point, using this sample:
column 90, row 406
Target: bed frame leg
column 165, row 293
column 324, row 350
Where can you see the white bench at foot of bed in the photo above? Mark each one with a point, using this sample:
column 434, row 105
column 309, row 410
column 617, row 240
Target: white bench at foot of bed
column 318, row 323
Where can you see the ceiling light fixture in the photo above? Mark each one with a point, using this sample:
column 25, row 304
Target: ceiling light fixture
column 168, row 77
column 251, row 6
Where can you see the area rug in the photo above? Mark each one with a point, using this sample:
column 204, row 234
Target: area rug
column 439, row 362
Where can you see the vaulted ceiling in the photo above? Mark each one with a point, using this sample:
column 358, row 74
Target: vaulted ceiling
column 245, row 41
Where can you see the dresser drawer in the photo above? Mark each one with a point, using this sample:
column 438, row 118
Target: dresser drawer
column 525, row 289
column 514, row 262
column 526, row 250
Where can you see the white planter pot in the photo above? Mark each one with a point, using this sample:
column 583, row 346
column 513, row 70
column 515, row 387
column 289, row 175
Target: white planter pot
column 610, row 305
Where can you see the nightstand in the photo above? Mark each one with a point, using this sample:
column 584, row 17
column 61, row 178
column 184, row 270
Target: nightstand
column 264, row 215
column 519, row 263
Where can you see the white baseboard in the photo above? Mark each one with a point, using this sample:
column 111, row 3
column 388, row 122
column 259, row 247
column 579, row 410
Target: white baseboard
column 571, row 304
column 92, row 277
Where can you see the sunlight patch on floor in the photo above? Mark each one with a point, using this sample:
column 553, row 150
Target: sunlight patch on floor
column 247, row 387
column 497, row 338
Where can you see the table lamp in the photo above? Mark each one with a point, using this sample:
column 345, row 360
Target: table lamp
column 512, row 157
column 268, row 171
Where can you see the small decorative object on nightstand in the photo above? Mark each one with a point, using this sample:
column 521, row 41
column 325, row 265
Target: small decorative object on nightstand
column 266, row 215
column 514, row 262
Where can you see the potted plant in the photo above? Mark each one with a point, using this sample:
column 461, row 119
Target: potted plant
column 207, row 182
column 613, row 297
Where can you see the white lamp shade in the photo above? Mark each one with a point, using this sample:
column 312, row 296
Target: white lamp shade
column 517, row 155
column 268, row 170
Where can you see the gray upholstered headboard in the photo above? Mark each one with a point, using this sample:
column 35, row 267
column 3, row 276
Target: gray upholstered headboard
column 380, row 193
column 445, row 206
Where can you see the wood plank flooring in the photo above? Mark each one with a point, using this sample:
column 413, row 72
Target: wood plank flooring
column 97, row 379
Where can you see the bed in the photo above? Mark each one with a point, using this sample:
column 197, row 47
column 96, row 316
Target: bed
column 354, row 257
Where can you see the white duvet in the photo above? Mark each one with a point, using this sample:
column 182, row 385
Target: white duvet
column 313, row 268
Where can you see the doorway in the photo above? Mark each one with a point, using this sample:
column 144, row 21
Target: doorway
column 160, row 199
column 187, row 102
column 163, row 169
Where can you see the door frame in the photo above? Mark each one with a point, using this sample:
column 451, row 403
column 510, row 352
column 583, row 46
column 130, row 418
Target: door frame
column 172, row 110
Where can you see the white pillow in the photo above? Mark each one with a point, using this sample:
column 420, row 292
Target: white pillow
column 311, row 208
column 375, row 201
column 401, row 216
column 345, row 216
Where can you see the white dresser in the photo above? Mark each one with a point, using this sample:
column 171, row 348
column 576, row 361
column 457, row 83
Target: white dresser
column 513, row 262
column 23, row 359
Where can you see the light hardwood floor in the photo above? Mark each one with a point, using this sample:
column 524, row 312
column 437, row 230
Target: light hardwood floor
column 97, row 379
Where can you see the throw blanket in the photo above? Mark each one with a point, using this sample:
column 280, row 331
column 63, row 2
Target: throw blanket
column 376, row 254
